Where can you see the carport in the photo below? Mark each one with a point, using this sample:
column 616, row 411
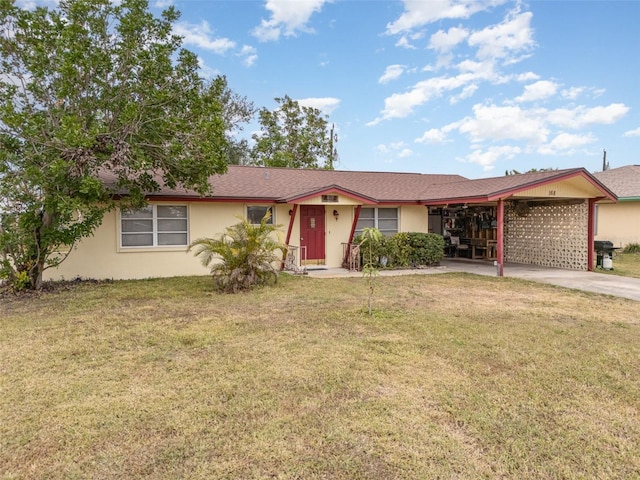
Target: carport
column 544, row 218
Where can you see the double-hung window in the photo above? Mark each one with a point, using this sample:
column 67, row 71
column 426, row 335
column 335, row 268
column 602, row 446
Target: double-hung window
column 154, row 226
column 384, row 219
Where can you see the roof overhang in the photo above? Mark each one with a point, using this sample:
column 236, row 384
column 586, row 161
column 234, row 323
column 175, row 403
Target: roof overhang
column 328, row 190
column 575, row 183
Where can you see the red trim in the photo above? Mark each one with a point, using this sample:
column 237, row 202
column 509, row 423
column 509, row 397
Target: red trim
column 356, row 216
column 549, row 181
column 292, row 219
column 591, row 233
column 500, row 249
column 176, row 198
column 455, row 200
column 294, row 210
column 330, row 190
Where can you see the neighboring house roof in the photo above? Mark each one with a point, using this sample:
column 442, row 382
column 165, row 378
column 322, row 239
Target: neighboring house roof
column 623, row 181
column 285, row 185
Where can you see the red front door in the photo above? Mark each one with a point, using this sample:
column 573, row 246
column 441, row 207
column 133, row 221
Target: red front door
column 312, row 231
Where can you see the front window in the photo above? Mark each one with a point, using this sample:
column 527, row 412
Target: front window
column 154, row 226
column 384, row 219
column 255, row 214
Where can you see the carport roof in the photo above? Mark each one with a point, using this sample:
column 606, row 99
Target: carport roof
column 284, row 185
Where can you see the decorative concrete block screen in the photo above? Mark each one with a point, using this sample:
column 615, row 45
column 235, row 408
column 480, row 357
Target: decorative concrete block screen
column 551, row 234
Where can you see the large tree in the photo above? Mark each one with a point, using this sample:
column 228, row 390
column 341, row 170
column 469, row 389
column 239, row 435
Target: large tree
column 293, row 136
column 96, row 99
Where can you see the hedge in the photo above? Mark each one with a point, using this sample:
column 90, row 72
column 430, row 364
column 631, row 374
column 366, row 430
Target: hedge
column 408, row 249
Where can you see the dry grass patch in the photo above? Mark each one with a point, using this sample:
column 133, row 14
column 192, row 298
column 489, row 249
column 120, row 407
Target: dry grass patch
column 454, row 376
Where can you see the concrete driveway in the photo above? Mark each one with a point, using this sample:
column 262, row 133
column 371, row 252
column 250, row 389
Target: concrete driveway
column 596, row 282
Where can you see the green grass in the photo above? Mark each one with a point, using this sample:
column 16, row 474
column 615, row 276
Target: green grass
column 625, row 264
column 453, row 376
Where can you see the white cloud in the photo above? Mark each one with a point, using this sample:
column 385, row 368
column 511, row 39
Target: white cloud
column 418, row 13
column 506, row 41
column 392, row 72
column 249, row 55
column 400, row 105
column 404, row 153
column 466, row 92
column 163, row 3
column 581, row 116
column 538, row 91
column 287, row 18
column 481, row 70
column 487, row 158
column 399, row 149
column 205, row 70
column 433, row 135
column 573, row 92
column 443, row 42
column 632, row 133
column 326, row 104
column 200, row 36
column 491, row 122
column 527, row 77
column 406, row 40
column 566, row 143
column 513, row 36
column 403, row 42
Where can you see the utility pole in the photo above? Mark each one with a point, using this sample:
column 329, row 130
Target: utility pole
column 605, row 165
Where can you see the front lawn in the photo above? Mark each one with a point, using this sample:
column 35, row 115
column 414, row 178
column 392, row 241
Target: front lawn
column 625, row 264
column 453, row 376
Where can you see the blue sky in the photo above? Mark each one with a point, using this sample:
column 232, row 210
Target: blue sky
column 446, row 86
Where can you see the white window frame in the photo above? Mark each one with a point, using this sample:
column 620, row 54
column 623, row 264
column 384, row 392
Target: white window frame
column 271, row 220
column 154, row 227
column 376, row 220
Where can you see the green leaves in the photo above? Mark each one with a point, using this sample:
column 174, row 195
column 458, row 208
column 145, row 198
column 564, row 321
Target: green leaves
column 94, row 88
column 243, row 257
column 293, row 136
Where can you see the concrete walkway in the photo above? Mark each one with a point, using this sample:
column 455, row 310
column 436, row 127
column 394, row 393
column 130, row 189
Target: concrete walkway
column 606, row 284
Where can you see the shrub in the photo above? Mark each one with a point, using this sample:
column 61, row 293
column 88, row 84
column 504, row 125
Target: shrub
column 632, row 248
column 399, row 250
column 406, row 249
column 247, row 255
column 425, row 248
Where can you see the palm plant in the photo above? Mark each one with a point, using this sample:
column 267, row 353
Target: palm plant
column 243, row 257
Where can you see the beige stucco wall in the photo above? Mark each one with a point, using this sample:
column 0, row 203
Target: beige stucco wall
column 618, row 223
column 101, row 256
column 548, row 235
column 414, row 219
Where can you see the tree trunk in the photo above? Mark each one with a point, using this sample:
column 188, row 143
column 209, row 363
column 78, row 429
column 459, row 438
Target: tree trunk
column 39, row 254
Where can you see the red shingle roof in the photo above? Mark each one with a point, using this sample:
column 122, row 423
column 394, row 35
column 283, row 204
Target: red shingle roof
column 282, row 184
column 249, row 183
column 623, row 181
